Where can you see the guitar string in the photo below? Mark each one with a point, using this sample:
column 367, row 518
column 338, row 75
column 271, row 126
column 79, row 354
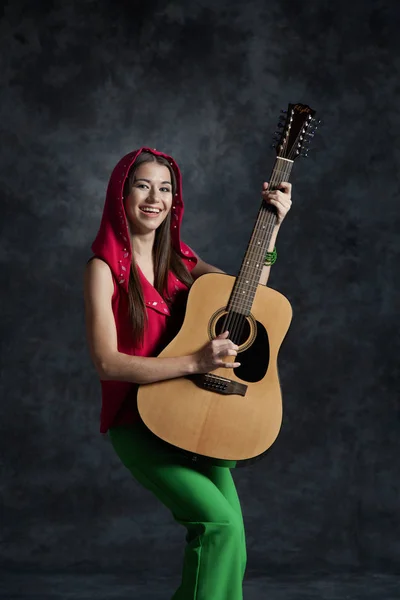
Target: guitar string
column 236, row 324
column 264, row 222
column 287, row 167
column 255, row 255
column 279, row 175
column 236, row 320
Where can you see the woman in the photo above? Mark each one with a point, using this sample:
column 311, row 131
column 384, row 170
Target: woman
column 136, row 287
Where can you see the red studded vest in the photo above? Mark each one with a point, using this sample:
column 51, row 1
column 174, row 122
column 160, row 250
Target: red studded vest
column 112, row 244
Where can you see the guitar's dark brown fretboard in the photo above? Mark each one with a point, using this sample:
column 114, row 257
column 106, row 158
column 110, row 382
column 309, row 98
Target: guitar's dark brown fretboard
column 245, row 287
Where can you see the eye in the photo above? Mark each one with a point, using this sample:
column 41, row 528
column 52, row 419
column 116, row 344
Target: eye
column 141, row 185
column 165, row 189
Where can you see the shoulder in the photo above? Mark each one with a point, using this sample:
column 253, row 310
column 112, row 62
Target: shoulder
column 98, row 276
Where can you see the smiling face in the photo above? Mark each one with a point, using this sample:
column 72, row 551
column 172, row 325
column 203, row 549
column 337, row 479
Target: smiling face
column 150, row 197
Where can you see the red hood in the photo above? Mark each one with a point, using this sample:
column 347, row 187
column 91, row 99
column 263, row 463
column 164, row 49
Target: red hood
column 112, row 242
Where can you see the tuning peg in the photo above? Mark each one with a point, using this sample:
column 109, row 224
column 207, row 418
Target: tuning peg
column 284, row 112
column 316, row 123
column 273, row 146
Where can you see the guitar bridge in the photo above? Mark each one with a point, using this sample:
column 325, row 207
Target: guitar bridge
column 220, row 385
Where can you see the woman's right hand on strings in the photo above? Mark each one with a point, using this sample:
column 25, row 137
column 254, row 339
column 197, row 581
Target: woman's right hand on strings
column 211, row 356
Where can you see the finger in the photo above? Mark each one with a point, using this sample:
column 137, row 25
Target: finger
column 228, row 365
column 277, row 195
column 265, row 185
column 278, row 200
column 285, row 187
column 223, row 347
column 273, row 200
column 229, row 352
column 268, row 195
column 222, row 343
column 223, row 335
column 225, row 353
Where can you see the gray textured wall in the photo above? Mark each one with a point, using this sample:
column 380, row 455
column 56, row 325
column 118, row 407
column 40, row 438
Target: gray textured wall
column 85, row 82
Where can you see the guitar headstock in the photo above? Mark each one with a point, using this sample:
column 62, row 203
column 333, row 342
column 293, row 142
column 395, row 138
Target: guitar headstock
column 298, row 127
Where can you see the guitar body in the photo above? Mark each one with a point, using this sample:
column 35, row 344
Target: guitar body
column 230, row 426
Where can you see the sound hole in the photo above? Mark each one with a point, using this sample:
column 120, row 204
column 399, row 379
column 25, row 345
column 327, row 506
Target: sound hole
column 237, row 325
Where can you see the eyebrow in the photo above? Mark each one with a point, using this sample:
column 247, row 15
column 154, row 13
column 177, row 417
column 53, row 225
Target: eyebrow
column 148, row 180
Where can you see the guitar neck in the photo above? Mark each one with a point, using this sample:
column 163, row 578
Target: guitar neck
column 245, row 287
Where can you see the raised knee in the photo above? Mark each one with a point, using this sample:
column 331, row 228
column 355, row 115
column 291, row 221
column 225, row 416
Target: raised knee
column 230, row 529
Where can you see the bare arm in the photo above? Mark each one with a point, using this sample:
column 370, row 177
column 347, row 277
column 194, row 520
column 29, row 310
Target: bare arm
column 102, row 337
column 202, row 268
column 266, row 270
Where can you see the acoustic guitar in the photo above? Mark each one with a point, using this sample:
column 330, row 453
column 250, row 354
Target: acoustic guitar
column 232, row 414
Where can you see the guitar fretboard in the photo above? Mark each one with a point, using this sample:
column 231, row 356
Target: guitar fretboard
column 245, row 287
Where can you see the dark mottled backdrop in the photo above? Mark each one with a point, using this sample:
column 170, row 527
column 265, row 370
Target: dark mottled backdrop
column 82, row 84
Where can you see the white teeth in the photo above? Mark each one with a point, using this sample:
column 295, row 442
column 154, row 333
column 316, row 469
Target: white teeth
column 153, row 210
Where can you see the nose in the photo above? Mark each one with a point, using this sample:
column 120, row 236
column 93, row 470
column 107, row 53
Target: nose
column 153, row 194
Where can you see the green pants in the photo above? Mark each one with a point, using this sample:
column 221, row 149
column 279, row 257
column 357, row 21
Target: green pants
column 201, row 498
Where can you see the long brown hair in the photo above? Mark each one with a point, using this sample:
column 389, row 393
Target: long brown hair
column 165, row 256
